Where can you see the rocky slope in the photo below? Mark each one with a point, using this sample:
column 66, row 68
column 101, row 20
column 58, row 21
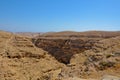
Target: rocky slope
column 21, row 60
column 67, row 56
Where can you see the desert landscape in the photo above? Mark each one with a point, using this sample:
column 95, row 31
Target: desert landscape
column 67, row 55
column 59, row 39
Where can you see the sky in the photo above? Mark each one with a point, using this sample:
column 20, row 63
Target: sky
column 59, row 15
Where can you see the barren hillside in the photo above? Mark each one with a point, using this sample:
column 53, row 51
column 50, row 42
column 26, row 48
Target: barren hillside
column 90, row 34
column 21, row 60
column 60, row 56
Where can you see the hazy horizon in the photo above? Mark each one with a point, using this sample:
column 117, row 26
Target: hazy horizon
column 59, row 15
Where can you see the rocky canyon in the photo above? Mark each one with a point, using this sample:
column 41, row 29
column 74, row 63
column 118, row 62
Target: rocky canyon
column 91, row 55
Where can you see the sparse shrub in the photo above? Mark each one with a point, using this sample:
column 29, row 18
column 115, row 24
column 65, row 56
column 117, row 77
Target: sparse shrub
column 96, row 58
column 105, row 64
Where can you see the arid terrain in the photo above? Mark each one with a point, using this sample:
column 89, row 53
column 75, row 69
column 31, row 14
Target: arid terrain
column 91, row 55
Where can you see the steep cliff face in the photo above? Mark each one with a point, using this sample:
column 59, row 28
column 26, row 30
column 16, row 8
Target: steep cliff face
column 64, row 49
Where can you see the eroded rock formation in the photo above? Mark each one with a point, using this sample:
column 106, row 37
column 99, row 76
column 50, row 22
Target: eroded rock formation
column 64, row 49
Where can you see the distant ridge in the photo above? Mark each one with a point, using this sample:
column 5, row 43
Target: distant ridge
column 104, row 34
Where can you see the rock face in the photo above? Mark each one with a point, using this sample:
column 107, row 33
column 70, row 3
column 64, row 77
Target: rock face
column 74, row 56
column 64, row 49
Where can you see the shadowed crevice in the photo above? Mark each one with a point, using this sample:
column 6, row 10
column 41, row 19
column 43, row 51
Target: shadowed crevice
column 63, row 49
